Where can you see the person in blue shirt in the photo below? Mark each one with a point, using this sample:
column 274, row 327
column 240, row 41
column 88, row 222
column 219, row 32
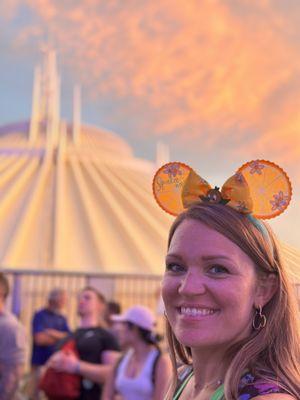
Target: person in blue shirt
column 49, row 326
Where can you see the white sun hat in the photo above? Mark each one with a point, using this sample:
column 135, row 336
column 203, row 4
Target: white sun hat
column 138, row 315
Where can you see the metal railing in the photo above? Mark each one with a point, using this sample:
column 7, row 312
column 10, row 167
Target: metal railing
column 30, row 288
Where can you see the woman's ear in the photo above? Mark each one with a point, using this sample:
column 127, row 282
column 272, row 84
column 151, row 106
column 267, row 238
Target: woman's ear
column 265, row 289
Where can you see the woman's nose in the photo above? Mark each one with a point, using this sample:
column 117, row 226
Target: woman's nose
column 193, row 283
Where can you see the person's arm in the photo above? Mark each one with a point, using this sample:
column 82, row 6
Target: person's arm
column 110, row 357
column 95, row 372
column 44, row 336
column 163, row 376
column 57, row 335
column 39, row 331
column 9, row 380
column 109, row 386
column 98, row 373
column 12, row 355
column 44, row 339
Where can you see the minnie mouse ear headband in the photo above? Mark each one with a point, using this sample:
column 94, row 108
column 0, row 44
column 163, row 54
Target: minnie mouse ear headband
column 259, row 188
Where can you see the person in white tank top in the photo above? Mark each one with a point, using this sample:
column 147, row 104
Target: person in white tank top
column 142, row 373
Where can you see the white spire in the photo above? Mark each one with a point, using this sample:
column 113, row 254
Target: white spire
column 51, row 89
column 46, row 100
column 76, row 114
column 162, row 153
column 35, row 111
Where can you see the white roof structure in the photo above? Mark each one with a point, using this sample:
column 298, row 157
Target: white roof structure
column 291, row 257
column 74, row 197
column 79, row 207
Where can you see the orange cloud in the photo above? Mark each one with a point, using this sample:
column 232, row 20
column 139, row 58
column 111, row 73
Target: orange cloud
column 214, row 70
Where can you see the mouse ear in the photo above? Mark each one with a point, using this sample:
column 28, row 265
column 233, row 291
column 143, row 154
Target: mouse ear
column 167, row 186
column 270, row 188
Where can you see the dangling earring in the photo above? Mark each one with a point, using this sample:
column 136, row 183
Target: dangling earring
column 259, row 319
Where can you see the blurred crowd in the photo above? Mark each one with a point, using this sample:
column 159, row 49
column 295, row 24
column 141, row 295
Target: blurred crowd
column 111, row 355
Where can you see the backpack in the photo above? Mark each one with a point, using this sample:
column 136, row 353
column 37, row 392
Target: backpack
column 62, row 385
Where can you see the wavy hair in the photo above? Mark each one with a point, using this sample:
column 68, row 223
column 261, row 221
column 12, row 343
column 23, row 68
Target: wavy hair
column 274, row 351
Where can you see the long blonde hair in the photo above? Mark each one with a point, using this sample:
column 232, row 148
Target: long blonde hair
column 274, row 351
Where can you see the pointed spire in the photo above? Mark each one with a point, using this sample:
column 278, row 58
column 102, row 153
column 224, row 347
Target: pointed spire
column 51, row 89
column 162, row 153
column 35, row 111
column 46, row 100
column 76, row 114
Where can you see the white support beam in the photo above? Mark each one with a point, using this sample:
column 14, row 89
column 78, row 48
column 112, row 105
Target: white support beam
column 76, row 114
column 36, row 104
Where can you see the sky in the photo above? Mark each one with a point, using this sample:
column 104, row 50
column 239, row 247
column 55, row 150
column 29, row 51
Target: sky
column 217, row 81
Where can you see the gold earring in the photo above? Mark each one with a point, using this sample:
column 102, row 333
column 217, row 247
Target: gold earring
column 259, row 319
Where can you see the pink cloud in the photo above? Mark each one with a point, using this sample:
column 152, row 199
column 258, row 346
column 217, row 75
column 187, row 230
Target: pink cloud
column 212, row 70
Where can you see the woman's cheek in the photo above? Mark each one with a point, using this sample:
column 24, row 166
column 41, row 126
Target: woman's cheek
column 169, row 288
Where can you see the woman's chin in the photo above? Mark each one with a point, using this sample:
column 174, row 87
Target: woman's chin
column 195, row 340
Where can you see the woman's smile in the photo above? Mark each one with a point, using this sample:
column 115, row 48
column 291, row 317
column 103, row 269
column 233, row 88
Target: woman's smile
column 195, row 313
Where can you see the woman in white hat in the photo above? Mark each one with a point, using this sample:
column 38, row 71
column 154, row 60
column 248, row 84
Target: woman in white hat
column 142, row 373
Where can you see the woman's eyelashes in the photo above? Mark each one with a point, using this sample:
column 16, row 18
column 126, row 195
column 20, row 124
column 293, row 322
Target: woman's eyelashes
column 215, row 269
column 174, row 267
column 218, row 269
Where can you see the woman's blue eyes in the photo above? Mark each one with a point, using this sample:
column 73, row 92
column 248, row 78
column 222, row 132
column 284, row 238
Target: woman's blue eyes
column 173, row 267
column 218, row 269
column 213, row 270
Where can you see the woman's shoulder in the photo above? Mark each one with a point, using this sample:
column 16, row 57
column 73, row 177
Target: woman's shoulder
column 259, row 388
column 275, row 396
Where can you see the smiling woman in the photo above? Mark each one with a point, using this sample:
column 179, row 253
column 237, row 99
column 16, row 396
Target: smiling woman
column 231, row 312
column 229, row 306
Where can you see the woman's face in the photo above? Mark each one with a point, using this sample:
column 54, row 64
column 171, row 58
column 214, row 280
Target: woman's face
column 126, row 335
column 121, row 331
column 209, row 287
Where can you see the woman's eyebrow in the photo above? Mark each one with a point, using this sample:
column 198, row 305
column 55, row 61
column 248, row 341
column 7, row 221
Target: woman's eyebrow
column 203, row 257
column 173, row 255
column 216, row 256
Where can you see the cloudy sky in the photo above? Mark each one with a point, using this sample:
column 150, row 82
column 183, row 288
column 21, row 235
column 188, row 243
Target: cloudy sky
column 218, row 81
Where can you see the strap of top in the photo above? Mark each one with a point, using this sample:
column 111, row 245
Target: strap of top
column 183, row 382
column 218, row 394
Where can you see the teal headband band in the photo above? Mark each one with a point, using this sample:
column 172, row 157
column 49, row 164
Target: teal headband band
column 259, row 225
column 262, row 229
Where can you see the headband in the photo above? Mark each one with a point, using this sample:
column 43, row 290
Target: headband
column 259, row 188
